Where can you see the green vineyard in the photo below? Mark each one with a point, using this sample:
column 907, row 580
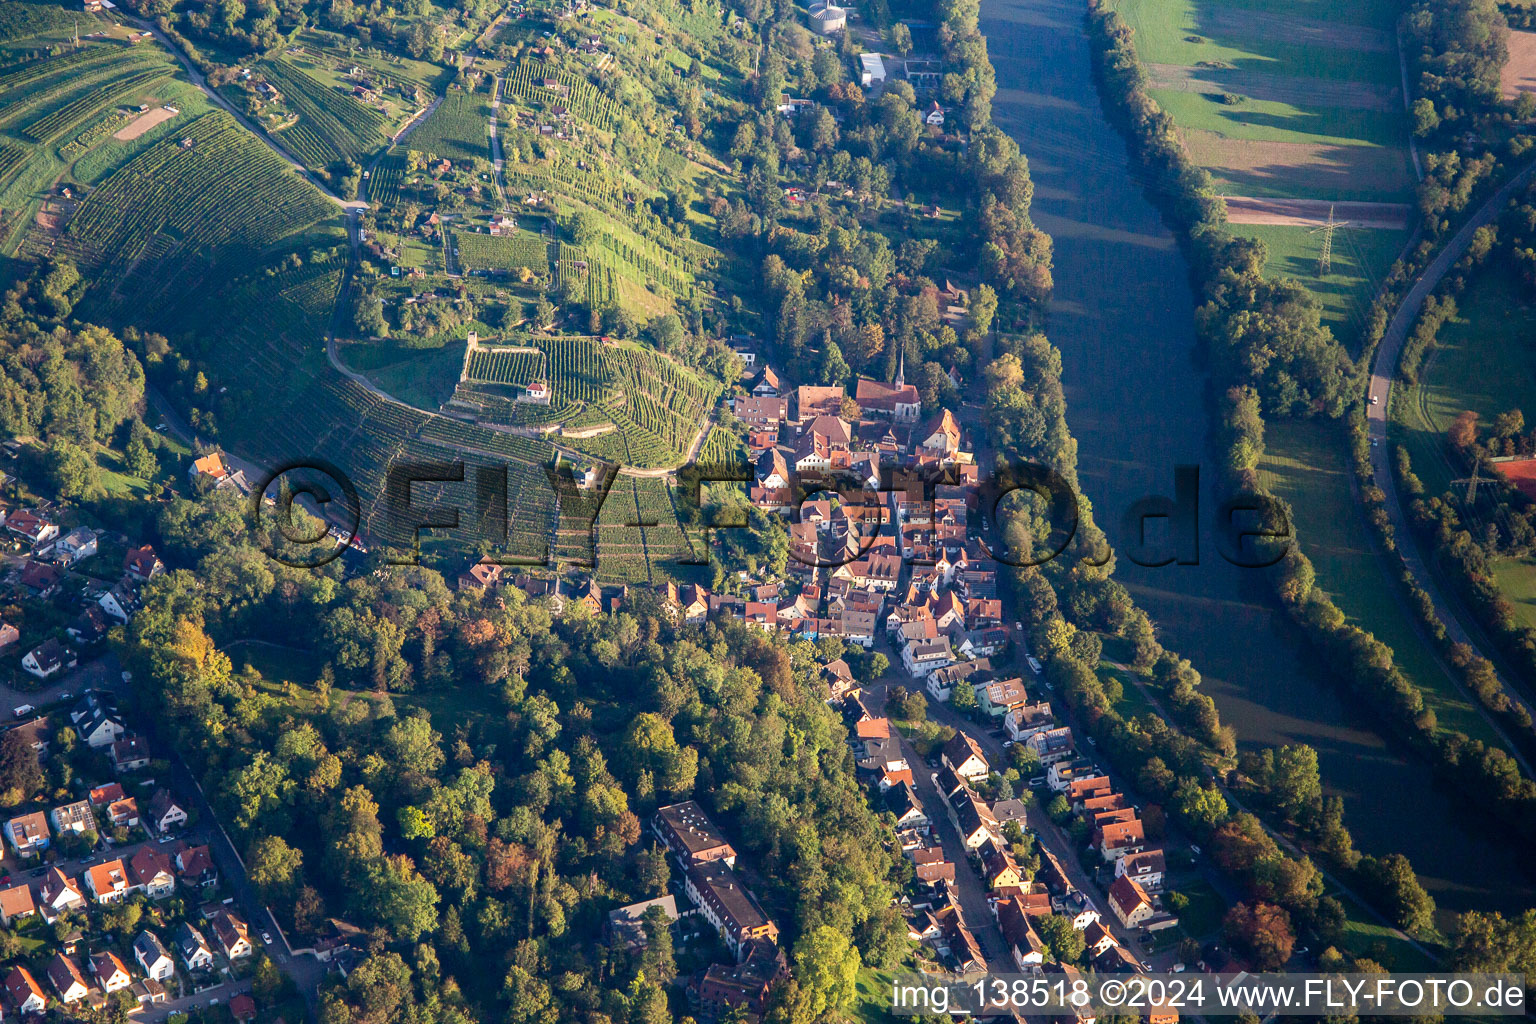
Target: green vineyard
column 457, row 128
column 47, row 128
column 384, row 184
column 478, row 251
column 505, row 366
column 526, row 83
column 332, row 125
column 162, row 222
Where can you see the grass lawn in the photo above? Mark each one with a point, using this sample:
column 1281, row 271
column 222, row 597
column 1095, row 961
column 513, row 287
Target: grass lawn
column 1495, row 327
column 1202, row 917
column 1378, row 942
column 1361, row 260
column 1274, row 121
column 422, row 377
column 1305, row 464
column 1190, row 32
column 872, row 1001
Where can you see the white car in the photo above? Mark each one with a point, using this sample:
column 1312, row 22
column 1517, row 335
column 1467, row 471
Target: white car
column 1034, row 664
column 1375, row 400
column 25, row 709
column 266, row 937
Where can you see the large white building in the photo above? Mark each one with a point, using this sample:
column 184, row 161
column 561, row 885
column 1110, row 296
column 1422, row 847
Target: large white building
column 827, row 18
column 871, row 69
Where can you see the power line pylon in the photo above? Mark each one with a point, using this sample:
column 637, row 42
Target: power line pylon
column 1325, row 259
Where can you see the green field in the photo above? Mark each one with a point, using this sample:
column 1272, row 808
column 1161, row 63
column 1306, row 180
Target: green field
column 456, row 129
column 1361, row 260
column 1279, row 98
column 481, row 251
column 1305, row 464
column 1496, row 327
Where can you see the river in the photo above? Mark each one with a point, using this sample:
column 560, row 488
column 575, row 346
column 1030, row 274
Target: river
column 1123, row 318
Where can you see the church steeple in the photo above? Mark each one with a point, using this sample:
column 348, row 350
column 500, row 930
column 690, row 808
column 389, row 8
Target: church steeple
column 901, row 368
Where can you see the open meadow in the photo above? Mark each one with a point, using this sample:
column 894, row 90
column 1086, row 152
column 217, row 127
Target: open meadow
column 1305, row 465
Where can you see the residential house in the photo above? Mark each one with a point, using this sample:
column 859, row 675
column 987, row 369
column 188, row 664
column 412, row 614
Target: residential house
column 16, row 903
column 101, row 796
column 934, row 115
column 31, row 527
column 211, row 467
column 165, row 811
column 96, row 719
column 192, row 947
column 1019, row 936
column 130, row 753
column 1027, row 720
column 686, row 831
column 626, row 924
column 728, row 905
column 152, row 956
column 142, row 564
column 839, row 677
column 108, row 881
column 1097, row 938
column 194, row 864
column 231, row 933
column 999, row 698
column 1145, row 868
column 925, row 656
column 151, row 872
column 123, row 813
column 964, row 756
column 903, row 802
column 1118, row 838
column 973, row 820
column 1129, row 902
column 41, row 579
column 89, row 627
column 28, row 833
column 64, row 974
column 242, row 1008
column 9, row 634
column 48, row 659
column 121, row 601
column 1052, row 745
column 75, row 817
column 110, row 973
column 811, row 402
column 58, row 895
column 23, row 993
column 76, row 545
column 998, row 868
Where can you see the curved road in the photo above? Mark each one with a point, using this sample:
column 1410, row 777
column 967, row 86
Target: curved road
column 1383, row 370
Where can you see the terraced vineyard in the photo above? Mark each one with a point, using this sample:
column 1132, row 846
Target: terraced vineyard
column 502, row 252
column 81, row 76
column 526, row 83
column 506, row 366
column 384, row 184
column 51, row 126
column 171, row 216
column 332, row 125
column 596, row 279
column 457, row 128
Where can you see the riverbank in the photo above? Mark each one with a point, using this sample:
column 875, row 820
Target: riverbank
column 1123, row 318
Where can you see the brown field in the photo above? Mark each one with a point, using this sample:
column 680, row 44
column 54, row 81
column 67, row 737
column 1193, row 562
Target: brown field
column 1216, row 20
column 1298, row 92
column 1321, row 169
column 141, row 124
column 1521, row 473
column 1314, row 212
column 1519, row 74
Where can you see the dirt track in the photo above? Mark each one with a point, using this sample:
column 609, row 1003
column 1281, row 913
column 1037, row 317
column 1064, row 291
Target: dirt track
column 1314, row 212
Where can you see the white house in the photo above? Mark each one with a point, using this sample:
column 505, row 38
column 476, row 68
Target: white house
column 150, row 952
column 925, row 656
column 77, row 544
column 48, row 659
column 119, row 602
column 193, row 948
column 110, row 972
column 871, row 69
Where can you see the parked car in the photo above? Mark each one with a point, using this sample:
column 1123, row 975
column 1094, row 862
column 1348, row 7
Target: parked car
column 1034, row 664
column 23, row 710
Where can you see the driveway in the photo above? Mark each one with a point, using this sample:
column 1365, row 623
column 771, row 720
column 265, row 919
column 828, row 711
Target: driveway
column 104, row 673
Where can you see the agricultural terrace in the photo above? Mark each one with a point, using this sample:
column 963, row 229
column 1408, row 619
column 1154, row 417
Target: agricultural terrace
column 506, row 253
column 1495, row 327
column 457, row 128
column 654, row 406
column 331, row 124
column 55, row 109
column 537, row 85
column 184, row 211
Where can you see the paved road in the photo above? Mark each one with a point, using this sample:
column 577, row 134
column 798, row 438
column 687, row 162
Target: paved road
column 1383, row 370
